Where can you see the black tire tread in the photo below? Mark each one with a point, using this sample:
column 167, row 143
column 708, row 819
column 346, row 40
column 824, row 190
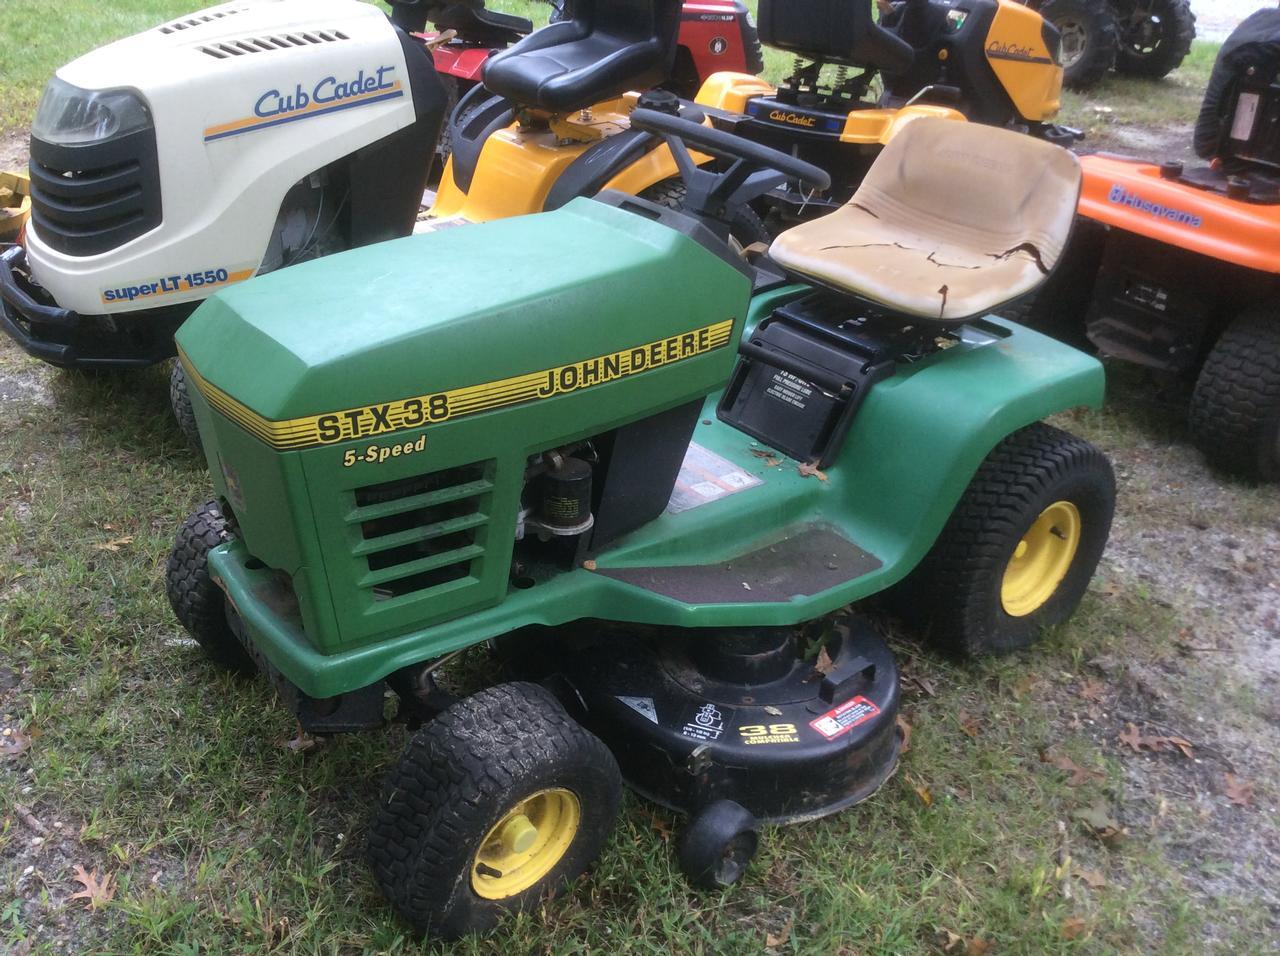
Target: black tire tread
column 180, row 402
column 1173, row 48
column 1104, row 39
column 432, row 808
column 198, row 603
column 747, row 227
column 973, row 544
column 1235, row 408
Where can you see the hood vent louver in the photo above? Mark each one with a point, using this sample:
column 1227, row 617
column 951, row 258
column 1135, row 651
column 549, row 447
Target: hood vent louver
column 199, row 20
column 269, row 44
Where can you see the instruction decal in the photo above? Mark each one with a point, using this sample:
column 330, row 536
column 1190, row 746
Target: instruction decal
column 705, row 477
column 706, row 722
column 643, row 706
column 840, row 720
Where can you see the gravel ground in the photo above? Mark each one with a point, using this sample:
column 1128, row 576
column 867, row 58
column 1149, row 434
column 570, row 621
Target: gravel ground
column 1215, row 19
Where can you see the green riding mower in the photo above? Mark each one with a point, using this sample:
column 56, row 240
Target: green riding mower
column 648, row 472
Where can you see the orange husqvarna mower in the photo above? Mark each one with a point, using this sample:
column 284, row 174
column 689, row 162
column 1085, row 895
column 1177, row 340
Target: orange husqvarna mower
column 1177, row 267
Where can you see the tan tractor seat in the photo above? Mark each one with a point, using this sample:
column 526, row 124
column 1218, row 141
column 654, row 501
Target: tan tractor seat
column 952, row 220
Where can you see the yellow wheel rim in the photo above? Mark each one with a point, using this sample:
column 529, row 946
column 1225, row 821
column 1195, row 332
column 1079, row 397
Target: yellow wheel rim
column 1041, row 559
column 526, row 844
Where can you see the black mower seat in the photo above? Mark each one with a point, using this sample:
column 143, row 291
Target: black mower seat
column 952, row 220
column 606, row 49
column 833, row 31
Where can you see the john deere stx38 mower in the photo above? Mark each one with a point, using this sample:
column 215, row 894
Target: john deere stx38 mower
column 648, row 472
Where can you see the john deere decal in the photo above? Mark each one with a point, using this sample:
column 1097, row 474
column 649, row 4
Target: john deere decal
column 375, row 421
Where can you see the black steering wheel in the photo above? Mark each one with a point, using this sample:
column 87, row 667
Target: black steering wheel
column 753, row 171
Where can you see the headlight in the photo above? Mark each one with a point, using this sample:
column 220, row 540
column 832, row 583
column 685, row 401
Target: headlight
column 70, row 116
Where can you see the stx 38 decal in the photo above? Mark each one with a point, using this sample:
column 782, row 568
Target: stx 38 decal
column 327, row 95
column 376, row 421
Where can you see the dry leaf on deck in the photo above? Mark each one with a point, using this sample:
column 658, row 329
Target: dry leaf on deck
column 824, row 665
column 810, row 469
column 96, row 890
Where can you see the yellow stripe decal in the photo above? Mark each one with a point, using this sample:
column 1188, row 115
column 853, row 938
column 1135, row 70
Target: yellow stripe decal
column 371, row 421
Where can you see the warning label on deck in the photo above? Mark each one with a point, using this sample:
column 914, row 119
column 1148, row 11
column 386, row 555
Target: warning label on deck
column 705, row 476
column 706, row 722
column 844, row 718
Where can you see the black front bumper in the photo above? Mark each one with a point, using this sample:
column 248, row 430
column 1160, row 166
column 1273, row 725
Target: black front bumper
column 45, row 330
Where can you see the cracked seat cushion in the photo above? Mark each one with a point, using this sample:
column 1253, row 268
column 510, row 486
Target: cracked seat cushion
column 952, row 220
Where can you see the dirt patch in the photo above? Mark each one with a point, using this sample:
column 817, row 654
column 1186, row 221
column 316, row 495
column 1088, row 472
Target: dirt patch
column 1158, row 143
column 13, row 149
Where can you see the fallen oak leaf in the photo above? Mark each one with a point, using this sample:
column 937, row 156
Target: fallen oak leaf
column 1092, row 878
column 1130, row 737
column 782, row 936
column 115, row 544
column 824, row 665
column 925, row 795
column 810, row 469
column 969, row 726
column 14, row 742
column 1079, row 775
column 1092, row 691
column 1100, row 823
column 1073, row 927
column 978, row 947
column 1239, row 792
column 904, row 728
column 97, row 890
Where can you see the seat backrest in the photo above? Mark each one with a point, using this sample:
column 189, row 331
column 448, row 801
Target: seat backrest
column 974, row 185
column 835, row 31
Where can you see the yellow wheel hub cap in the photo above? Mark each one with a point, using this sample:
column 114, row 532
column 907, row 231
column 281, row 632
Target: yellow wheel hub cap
column 1041, row 559
column 526, row 844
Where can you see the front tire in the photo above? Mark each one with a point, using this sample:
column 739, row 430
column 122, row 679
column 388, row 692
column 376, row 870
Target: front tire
column 1235, row 408
column 1155, row 40
column 1089, row 39
column 195, row 599
column 180, row 404
column 494, row 806
column 1022, row 544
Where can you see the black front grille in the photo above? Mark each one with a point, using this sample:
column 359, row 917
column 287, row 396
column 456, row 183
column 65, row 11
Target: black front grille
column 419, row 533
column 86, row 200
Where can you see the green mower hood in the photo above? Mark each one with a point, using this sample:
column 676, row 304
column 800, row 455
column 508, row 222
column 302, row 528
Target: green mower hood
column 453, row 308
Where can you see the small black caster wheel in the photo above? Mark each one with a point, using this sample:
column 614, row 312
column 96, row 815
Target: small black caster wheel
column 718, row 845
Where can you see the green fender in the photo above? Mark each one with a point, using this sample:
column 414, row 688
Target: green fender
column 915, row 445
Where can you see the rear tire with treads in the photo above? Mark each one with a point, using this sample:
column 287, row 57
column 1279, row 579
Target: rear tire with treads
column 747, row 228
column 1235, row 408
column 1090, row 25
column 962, row 580
column 1177, row 30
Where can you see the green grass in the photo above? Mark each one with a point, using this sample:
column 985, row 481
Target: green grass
column 175, row 778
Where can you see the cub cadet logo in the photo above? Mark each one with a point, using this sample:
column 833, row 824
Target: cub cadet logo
column 329, row 95
column 1011, row 51
column 1122, row 197
column 793, row 119
column 372, row 421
